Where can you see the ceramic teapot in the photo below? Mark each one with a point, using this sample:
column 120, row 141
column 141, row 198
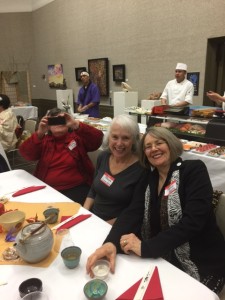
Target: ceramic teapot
column 34, row 242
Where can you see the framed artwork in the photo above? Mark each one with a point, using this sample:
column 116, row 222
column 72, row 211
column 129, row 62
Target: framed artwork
column 78, row 71
column 194, row 78
column 55, row 76
column 119, row 73
column 99, row 74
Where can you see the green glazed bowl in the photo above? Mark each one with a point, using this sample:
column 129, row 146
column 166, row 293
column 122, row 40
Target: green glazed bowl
column 71, row 256
column 95, row 289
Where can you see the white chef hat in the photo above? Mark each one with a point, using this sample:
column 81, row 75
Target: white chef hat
column 181, row 66
column 84, row 73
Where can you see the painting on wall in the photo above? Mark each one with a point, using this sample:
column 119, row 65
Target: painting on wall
column 194, row 78
column 78, row 71
column 119, row 73
column 99, row 74
column 55, row 76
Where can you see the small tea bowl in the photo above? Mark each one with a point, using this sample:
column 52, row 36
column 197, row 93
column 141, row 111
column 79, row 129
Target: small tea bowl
column 101, row 269
column 95, row 289
column 12, row 220
column 51, row 211
column 71, row 256
column 30, row 285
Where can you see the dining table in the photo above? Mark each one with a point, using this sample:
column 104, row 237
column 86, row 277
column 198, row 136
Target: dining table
column 60, row 282
column 27, row 112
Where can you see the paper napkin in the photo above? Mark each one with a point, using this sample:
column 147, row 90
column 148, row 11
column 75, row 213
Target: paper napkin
column 153, row 291
column 28, row 190
column 73, row 222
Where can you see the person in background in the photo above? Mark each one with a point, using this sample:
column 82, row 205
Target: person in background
column 171, row 214
column 179, row 91
column 8, row 124
column 117, row 171
column 88, row 97
column 61, row 151
column 216, row 97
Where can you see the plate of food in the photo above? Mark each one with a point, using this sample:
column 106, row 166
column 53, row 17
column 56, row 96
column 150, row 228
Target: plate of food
column 217, row 152
column 191, row 145
column 204, row 148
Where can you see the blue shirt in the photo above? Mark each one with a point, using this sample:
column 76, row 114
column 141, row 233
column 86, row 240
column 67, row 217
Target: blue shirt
column 87, row 95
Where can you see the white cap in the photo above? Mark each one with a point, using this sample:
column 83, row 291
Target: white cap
column 181, row 66
column 84, row 73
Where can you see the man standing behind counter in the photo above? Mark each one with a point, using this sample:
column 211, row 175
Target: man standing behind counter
column 179, row 91
column 88, row 97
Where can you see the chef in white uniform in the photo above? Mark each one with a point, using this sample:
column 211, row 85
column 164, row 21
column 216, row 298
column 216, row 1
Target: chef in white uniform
column 179, row 91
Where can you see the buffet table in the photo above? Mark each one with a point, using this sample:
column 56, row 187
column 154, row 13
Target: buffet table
column 26, row 112
column 61, row 283
column 215, row 166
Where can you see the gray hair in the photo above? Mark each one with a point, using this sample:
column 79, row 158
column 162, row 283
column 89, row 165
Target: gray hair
column 127, row 123
column 174, row 144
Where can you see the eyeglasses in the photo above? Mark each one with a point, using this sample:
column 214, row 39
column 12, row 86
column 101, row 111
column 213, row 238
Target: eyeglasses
column 157, row 145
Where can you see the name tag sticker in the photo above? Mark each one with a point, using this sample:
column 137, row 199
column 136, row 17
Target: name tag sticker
column 72, row 145
column 107, row 179
column 169, row 189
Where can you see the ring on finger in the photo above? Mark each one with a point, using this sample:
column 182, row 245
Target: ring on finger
column 124, row 242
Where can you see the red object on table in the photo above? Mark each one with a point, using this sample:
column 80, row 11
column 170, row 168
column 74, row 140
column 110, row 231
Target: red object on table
column 28, row 190
column 73, row 222
column 153, row 291
column 2, row 209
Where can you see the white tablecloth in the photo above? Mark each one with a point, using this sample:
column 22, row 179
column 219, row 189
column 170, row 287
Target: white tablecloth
column 215, row 166
column 61, row 283
column 25, row 111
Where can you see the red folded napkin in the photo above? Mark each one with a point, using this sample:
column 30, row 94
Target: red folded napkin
column 153, row 291
column 28, row 190
column 73, row 222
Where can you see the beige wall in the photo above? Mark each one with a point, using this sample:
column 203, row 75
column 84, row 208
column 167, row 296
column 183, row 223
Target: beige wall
column 148, row 36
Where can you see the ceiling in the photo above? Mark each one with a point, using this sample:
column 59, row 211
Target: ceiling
column 21, row 5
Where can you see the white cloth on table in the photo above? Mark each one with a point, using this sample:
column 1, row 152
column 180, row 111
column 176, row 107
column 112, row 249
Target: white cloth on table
column 25, row 111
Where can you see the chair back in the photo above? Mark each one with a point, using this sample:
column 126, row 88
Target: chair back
column 4, row 160
column 31, row 125
column 20, row 120
column 220, row 214
column 19, row 129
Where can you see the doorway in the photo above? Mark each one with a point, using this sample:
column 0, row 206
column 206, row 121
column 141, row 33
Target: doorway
column 215, row 68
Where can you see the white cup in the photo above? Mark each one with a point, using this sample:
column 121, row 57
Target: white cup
column 63, row 240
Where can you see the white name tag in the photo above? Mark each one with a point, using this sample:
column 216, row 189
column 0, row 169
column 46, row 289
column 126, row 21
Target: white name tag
column 107, row 179
column 169, row 189
column 72, row 145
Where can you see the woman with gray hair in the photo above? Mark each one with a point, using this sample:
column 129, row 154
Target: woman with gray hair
column 117, row 170
column 171, row 214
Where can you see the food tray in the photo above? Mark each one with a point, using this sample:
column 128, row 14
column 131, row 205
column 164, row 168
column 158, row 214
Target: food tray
column 217, row 152
column 204, row 148
column 100, row 125
column 191, row 145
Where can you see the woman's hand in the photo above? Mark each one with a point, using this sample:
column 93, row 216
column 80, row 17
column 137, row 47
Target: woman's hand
column 71, row 122
column 42, row 127
column 107, row 251
column 129, row 242
column 215, row 96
